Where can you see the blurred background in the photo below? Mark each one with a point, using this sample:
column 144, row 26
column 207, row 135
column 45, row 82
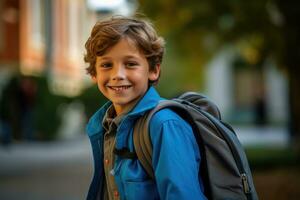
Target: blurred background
column 244, row 55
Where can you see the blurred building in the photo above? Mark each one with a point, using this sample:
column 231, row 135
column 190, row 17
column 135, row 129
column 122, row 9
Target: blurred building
column 9, row 40
column 247, row 94
column 46, row 37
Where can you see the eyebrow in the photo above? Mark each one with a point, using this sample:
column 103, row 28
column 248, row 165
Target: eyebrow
column 108, row 57
column 129, row 56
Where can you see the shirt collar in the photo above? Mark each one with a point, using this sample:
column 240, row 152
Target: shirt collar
column 147, row 102
column 111, row 116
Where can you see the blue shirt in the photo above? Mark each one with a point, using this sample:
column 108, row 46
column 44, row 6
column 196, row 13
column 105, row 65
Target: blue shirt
column 176, row 157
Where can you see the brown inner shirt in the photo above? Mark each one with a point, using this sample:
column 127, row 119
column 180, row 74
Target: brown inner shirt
column 110, row 123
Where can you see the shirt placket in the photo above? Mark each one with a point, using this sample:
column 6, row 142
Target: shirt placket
column 109, row 144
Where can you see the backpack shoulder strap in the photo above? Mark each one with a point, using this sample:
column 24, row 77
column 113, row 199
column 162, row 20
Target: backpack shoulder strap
column 142, row 143
column 141, row 137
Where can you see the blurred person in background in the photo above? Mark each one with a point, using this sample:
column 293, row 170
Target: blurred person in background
column 27, row 100
column 17, row 108
column 10, row 112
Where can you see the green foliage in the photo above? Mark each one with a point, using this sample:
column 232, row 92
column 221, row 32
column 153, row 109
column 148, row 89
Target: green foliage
column 92, row 100
column 47, row 119
column 47, row 116
column 228, row 19
column 272, row 157
column 197, row 29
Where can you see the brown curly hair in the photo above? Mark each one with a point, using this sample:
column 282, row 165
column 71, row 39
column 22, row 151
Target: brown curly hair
column 107, row 33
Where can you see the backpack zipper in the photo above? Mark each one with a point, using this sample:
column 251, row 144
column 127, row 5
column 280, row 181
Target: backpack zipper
column 245, row 183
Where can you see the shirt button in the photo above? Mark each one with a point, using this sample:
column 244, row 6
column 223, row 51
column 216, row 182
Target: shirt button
column 116, row 193
column 106, row 161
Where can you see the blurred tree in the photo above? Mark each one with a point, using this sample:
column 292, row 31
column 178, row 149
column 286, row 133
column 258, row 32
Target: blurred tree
column 47, row 119
column 262, row 29
column 91, row 99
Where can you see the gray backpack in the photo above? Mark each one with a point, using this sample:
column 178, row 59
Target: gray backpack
column 224, row 167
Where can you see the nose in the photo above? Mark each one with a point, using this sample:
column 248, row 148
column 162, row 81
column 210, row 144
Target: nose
column 118, row 72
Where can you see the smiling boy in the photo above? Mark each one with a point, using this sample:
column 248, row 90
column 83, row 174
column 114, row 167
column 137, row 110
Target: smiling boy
column 124, row 57
column 122, row 74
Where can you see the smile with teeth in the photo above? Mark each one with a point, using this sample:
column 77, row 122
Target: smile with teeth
column 119, row 88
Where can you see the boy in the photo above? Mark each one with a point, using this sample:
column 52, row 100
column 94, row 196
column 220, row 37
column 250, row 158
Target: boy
column 124, row 57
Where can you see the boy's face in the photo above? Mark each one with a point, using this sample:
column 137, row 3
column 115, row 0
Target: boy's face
column 122, row 74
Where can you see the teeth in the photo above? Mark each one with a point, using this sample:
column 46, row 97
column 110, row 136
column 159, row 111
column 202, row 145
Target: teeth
column 119, row 88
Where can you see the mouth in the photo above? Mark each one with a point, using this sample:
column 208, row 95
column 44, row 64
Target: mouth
column 119, row 88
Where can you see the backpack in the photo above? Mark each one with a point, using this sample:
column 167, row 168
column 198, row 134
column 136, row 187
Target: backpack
column 224, row 168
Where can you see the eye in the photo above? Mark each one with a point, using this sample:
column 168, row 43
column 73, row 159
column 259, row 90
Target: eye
column 131, row 64
column 106, row 65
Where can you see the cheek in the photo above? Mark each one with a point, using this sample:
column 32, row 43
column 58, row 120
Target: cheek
column 140, row 80
column 144, row 75
column 102, row 89
column 100, row 81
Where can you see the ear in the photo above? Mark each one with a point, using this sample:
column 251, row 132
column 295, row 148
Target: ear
column 154, row 73
column 94, row 78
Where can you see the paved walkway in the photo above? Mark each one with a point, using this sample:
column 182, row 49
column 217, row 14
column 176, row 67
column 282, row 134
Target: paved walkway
column 58, row 170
